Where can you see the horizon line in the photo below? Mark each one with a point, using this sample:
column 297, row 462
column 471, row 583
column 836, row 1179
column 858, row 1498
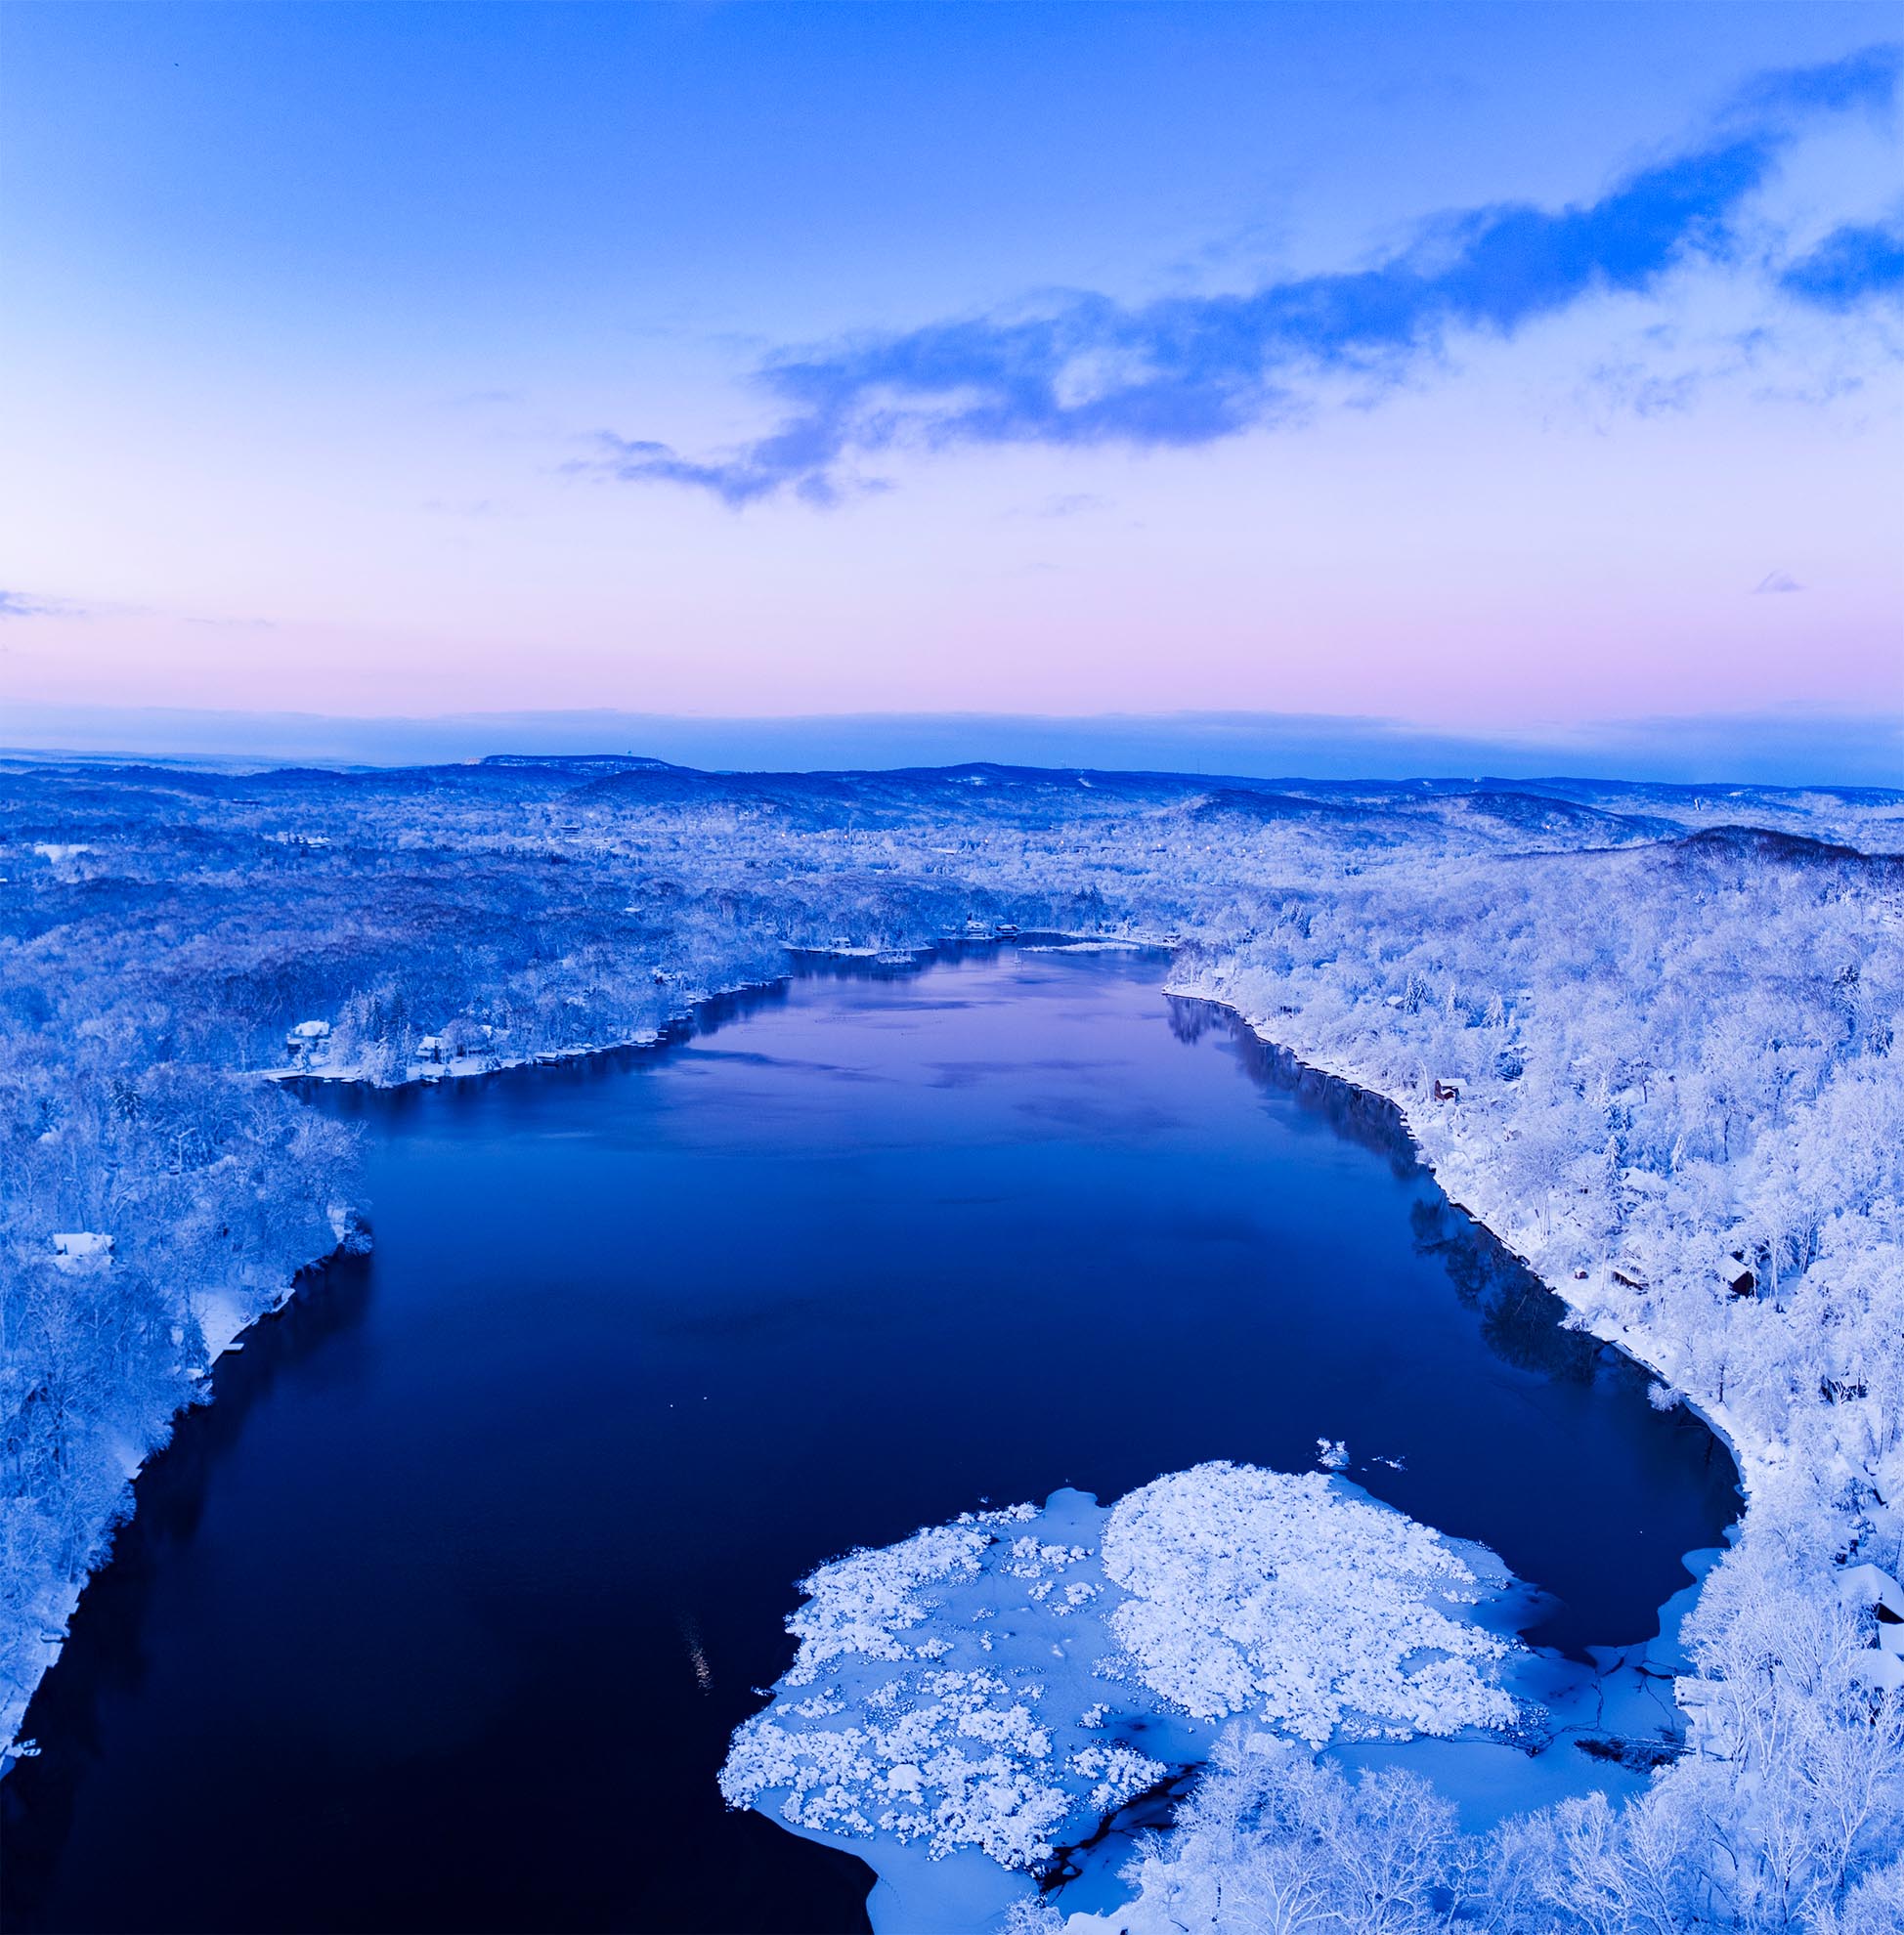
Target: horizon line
column 1791, row 749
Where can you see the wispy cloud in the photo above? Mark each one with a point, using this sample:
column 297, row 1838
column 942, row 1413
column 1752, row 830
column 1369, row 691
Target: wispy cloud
column 481, row 399
column 1777, row 581
column 26, row 605
column 1068, row 503
column 23, row 605
column 470, row 508
column 1086, row 371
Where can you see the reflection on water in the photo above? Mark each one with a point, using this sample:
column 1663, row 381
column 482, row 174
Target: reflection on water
column 439, row 1619
column 1522, row 1320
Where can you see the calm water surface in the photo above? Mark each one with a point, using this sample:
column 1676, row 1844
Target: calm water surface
column 440, row 1618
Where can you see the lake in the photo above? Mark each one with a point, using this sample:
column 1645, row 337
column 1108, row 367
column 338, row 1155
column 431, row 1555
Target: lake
column 439, row 1619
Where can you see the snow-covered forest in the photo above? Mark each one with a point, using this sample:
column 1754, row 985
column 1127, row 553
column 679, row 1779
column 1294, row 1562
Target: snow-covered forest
column 1647, row 1034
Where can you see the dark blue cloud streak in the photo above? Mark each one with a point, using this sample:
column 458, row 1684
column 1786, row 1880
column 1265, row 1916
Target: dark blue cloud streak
column 1187, row 370
column 1852, row 265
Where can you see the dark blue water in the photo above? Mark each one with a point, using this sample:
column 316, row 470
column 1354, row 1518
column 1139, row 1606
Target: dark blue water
column 440, row 1617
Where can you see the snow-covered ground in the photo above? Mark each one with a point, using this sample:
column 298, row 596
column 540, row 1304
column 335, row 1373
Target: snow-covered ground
column 1702, row 1149
column 1664, row 1022
column 968, row 1706
column 398, row 1072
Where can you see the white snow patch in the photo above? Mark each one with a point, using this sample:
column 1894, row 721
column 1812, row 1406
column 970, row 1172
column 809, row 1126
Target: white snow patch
column 990, row 1691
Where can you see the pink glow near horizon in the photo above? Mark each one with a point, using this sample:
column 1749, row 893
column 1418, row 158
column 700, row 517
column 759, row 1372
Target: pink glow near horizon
column 1551, row 578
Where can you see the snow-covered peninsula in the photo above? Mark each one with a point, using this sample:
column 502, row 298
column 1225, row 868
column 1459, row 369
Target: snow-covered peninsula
column 966, row 1705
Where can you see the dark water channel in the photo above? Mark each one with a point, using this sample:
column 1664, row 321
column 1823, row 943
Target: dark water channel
column 440, row 1617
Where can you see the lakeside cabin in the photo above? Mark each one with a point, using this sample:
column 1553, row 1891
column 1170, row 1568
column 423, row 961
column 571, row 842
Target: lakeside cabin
column 431, row 1048
column 302, row 1042
column 1446, row 1088
column 1868, row 1588
column 76, row 1249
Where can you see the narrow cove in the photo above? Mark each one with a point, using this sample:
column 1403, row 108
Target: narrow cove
column 441, row 1615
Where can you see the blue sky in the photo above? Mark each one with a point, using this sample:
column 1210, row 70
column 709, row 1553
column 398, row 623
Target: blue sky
column 1484, row 367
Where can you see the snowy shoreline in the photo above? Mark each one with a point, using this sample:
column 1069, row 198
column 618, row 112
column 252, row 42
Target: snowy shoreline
column 1716, row 1418
column 680, row 1025
column 675, row 1027
column 225, row 1328
column 1746, row 1457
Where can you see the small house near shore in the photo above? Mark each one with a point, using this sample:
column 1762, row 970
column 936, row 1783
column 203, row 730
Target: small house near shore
column 1738, row 1275
column 303, row 1042
column 1871, row 1586
column 1868, row 1588
column 81, row 1249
